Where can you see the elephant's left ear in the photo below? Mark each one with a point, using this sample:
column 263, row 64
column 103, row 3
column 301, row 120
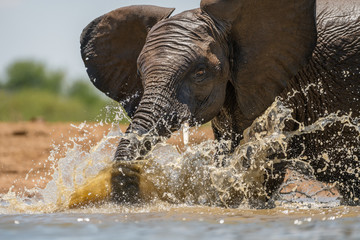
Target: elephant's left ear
column 110, row 46
column 271, row 40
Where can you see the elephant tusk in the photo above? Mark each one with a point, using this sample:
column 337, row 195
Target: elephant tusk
column 185, row 130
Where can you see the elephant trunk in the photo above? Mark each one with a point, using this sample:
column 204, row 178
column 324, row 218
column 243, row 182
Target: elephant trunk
column 124, row 182
column 157, row 117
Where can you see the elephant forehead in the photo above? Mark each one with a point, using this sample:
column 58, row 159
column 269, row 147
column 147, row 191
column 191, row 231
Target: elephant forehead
column 176, row 41
column 192, row 22
column 188, row 28
column 178, row 34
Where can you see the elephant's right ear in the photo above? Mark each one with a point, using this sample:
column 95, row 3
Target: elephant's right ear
column 110, row 46
column 271, row 40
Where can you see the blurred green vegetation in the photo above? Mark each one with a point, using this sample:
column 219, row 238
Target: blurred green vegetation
column 32, row 91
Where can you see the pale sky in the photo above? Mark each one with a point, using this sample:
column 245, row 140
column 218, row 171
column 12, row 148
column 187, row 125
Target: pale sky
column 49, row 30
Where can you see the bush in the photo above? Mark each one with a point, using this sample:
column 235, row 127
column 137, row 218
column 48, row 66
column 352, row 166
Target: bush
column 30, row 104
column 83, row 91
column 32, row 91
column 26, row 74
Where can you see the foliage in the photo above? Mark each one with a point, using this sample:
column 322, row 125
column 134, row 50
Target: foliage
column 83, row 91
column 29, row 74
column 31, row 91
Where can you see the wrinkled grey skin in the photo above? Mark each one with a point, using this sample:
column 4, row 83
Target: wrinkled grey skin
column 334, row 70
column 190, row 70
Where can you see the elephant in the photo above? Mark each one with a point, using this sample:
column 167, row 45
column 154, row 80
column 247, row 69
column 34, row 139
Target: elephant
column 226, row 62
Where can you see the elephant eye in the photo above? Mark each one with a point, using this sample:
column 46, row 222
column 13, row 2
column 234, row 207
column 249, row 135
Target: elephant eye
column 200, row 74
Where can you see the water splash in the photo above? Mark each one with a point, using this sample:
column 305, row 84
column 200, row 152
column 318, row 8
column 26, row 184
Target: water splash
column 191, row 176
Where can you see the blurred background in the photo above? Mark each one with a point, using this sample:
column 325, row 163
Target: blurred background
column 41, row 72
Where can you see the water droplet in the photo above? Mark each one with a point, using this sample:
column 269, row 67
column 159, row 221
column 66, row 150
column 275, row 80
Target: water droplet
column 298, row 222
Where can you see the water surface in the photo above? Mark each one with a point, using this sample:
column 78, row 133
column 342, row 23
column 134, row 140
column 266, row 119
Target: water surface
column 186, row 223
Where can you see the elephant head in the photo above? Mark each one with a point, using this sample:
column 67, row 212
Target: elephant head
column 167, row 70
